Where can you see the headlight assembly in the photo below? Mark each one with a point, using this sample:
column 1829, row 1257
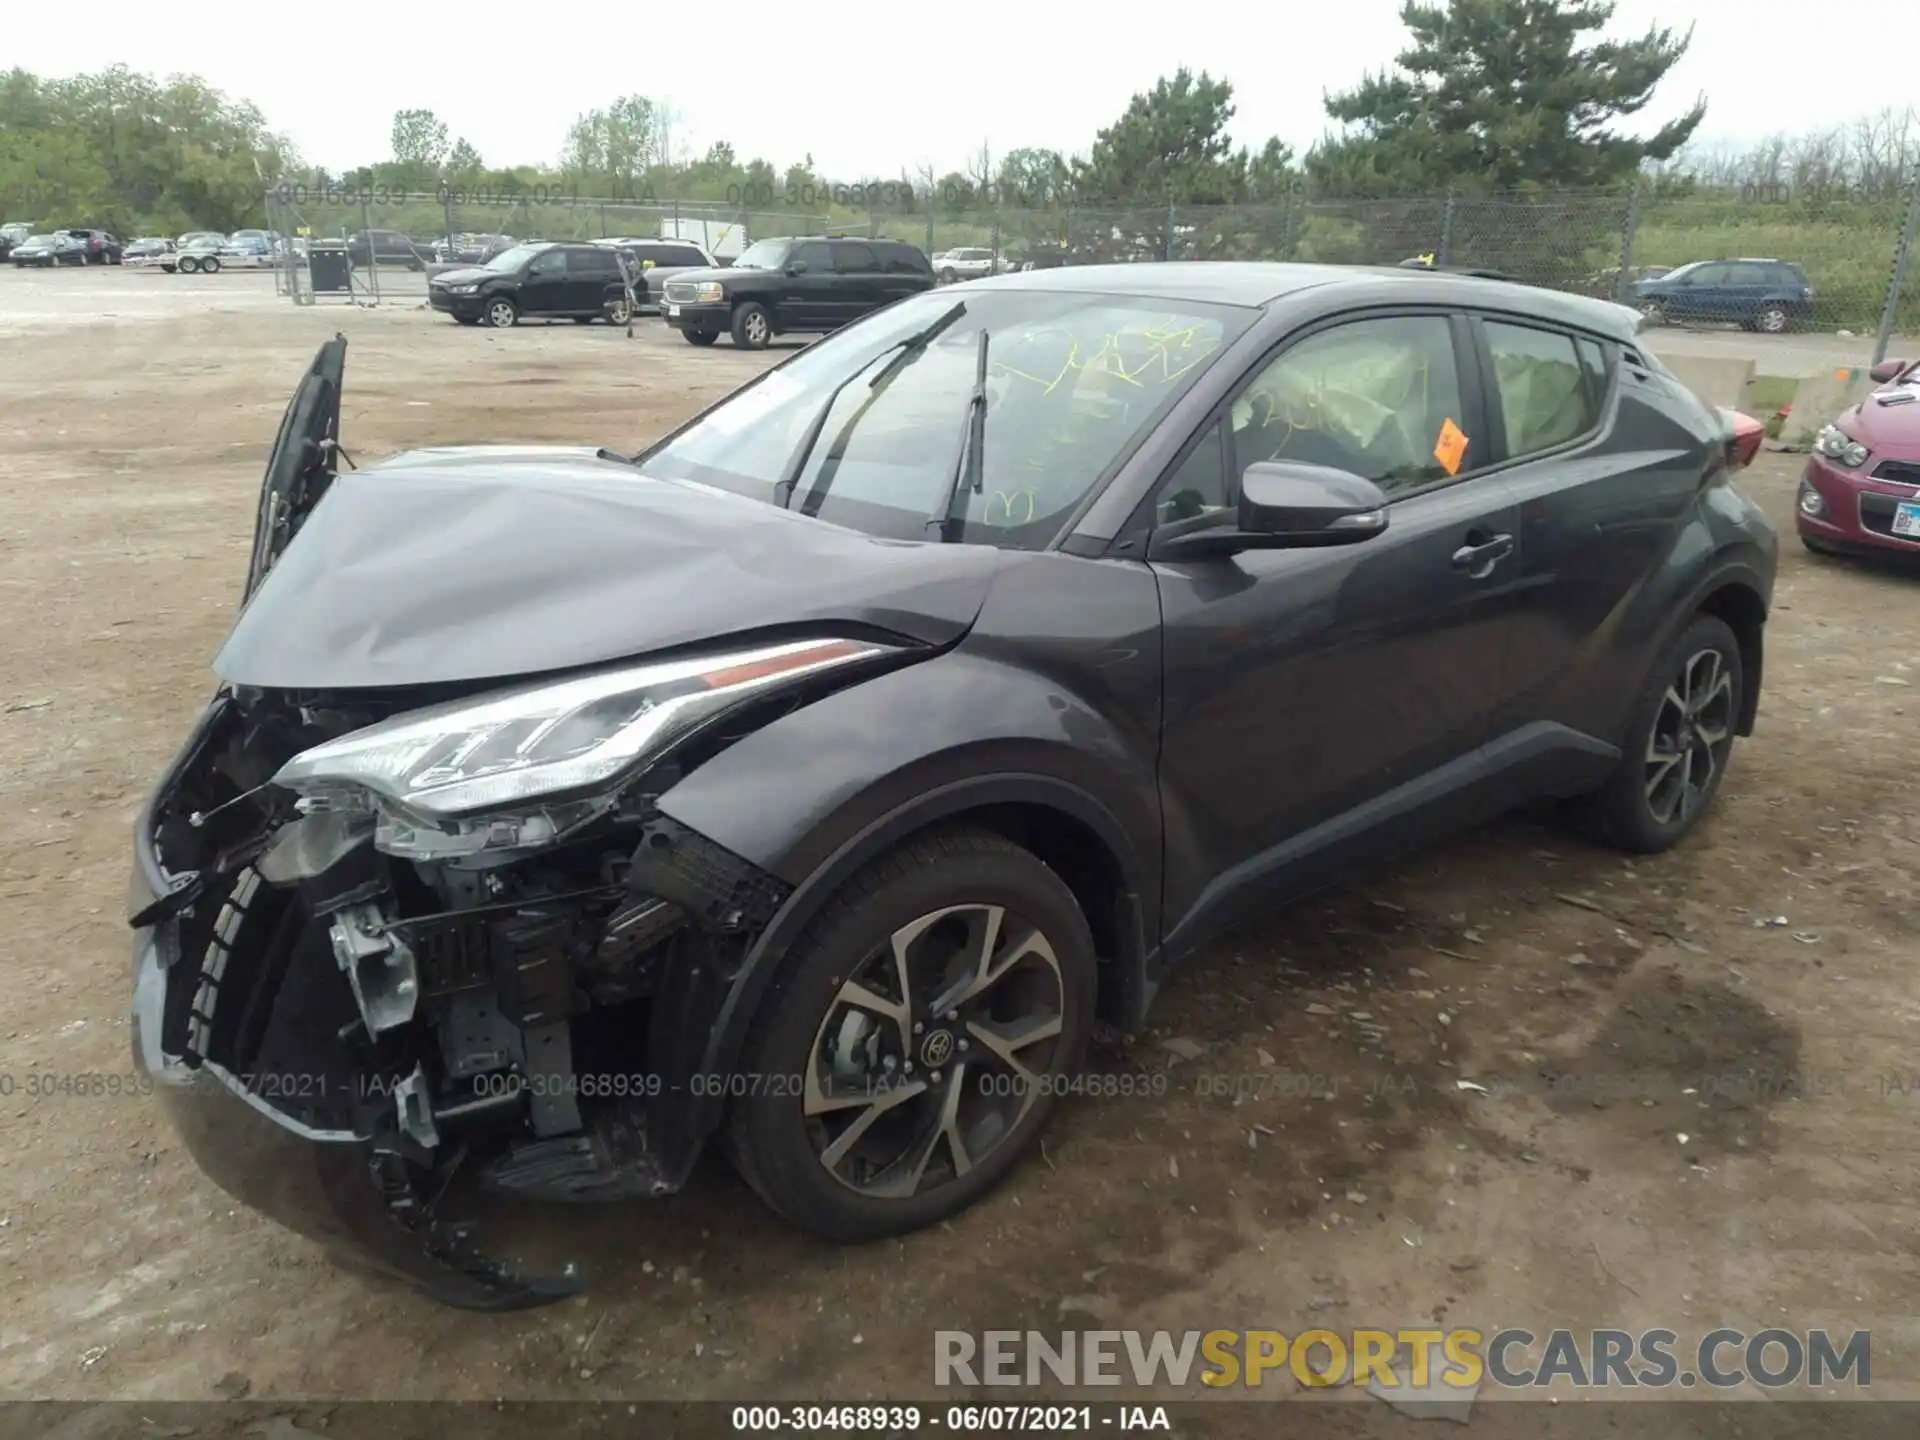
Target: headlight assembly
column 462, row 289
column 531, row 759
column 711, row 292
column 1836, row 445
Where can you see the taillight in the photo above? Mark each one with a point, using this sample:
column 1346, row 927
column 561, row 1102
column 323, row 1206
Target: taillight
column 1743, row 446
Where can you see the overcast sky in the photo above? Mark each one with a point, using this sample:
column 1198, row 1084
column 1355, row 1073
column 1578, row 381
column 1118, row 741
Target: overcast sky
column 932, row 83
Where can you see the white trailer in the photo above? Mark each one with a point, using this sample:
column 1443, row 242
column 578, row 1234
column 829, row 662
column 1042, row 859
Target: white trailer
column 722, row 239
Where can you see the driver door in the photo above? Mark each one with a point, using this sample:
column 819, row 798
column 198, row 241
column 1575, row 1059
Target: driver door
column 543, row 288
column 808, row 300
column 1321, row 705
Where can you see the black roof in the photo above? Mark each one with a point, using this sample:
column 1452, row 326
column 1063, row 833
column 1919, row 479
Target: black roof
column 1256, row 284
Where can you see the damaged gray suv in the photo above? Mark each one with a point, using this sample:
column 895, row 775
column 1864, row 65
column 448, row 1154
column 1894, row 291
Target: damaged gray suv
column 815, row 781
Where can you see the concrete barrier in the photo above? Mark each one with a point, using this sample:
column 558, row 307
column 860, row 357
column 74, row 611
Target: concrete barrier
column 1819, row 401
column 1715, row 379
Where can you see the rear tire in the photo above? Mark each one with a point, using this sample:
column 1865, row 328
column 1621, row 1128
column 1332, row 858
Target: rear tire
column 700, row 337
column 210, row 265
column 189, row 265
column 752, row 330
column 959, row 1090
column 1772, row 320
column 1680, row 737
column 466, row 319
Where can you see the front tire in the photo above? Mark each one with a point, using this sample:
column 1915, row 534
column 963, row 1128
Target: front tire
column 929, row 1015
column 189, row 265
column 752, row 329
column 502, row 313
column 210, row 265
column 1679, row 741
column 1772, row 320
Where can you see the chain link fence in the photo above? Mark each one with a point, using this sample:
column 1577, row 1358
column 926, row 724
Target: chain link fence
column 1856, row 248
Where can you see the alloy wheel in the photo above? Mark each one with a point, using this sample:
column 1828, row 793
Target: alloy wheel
column 1692, row 731
column 757, row 328
column 933, row 1050
column 1773, row 320
column 500, row 314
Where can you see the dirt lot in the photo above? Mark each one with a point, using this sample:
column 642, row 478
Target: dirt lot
column 1736, row 1147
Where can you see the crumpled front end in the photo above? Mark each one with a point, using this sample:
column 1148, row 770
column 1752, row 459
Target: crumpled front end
column 339, row 1033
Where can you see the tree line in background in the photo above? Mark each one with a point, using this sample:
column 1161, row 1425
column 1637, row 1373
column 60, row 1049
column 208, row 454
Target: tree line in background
column 1486, row 96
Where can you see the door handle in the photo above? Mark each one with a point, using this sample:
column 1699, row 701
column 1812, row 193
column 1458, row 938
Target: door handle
column 1478, row 556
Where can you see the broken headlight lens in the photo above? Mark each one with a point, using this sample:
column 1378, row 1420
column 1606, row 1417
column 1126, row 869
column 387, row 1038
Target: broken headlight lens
column 499, row 752
column 1836, row 444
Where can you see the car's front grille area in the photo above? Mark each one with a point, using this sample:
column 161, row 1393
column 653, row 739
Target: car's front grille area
column 682, row 292
column 1876, row 516
column 1900, row 472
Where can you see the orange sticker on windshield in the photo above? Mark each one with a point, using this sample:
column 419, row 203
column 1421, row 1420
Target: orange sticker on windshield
column 1451, row 448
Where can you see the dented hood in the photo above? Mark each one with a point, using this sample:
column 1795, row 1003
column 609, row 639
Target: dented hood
column 489, row 563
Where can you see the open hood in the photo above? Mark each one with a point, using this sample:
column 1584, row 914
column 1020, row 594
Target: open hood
column 461, row 566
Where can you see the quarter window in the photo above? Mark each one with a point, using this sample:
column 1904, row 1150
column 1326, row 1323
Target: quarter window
column 1378, row 398
column 1546, row 397
column 854, row 259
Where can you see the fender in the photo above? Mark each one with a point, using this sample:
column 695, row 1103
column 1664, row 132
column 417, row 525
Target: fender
column 956, row 732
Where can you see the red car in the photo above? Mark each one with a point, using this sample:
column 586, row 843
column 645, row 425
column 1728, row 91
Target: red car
column 1861, row 488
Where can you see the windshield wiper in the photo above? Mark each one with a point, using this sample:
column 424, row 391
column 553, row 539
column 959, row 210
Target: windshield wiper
column 908, row 348
column 969, row 466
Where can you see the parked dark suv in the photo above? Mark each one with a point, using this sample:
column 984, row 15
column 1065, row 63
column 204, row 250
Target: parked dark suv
column 794, row 285
column 818, row 777
column 98, row 247
column 543, row 281
column 1767, row 295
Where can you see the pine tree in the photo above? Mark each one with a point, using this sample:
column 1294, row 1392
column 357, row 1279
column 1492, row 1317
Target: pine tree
column 1504, row 95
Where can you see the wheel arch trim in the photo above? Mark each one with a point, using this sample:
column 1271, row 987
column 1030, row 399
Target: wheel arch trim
column 931, row 808
column 1744, row 609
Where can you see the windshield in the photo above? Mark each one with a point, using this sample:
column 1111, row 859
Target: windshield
column 763, row 255
column 1074, row 381
column 513, row 259
column 42, row 240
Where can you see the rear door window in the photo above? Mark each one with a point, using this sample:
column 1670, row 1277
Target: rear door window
column 853, row 259
column 1545, row 394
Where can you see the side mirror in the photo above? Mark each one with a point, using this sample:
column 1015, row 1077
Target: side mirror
column 1289, row 506
column 1888, row 371
column 798, row 267
column 1310, row 504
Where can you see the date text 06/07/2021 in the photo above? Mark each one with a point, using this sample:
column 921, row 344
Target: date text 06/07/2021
column 892, row 1420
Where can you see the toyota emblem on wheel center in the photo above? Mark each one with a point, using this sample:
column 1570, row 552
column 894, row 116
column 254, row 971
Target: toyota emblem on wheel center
column 937, row 1049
